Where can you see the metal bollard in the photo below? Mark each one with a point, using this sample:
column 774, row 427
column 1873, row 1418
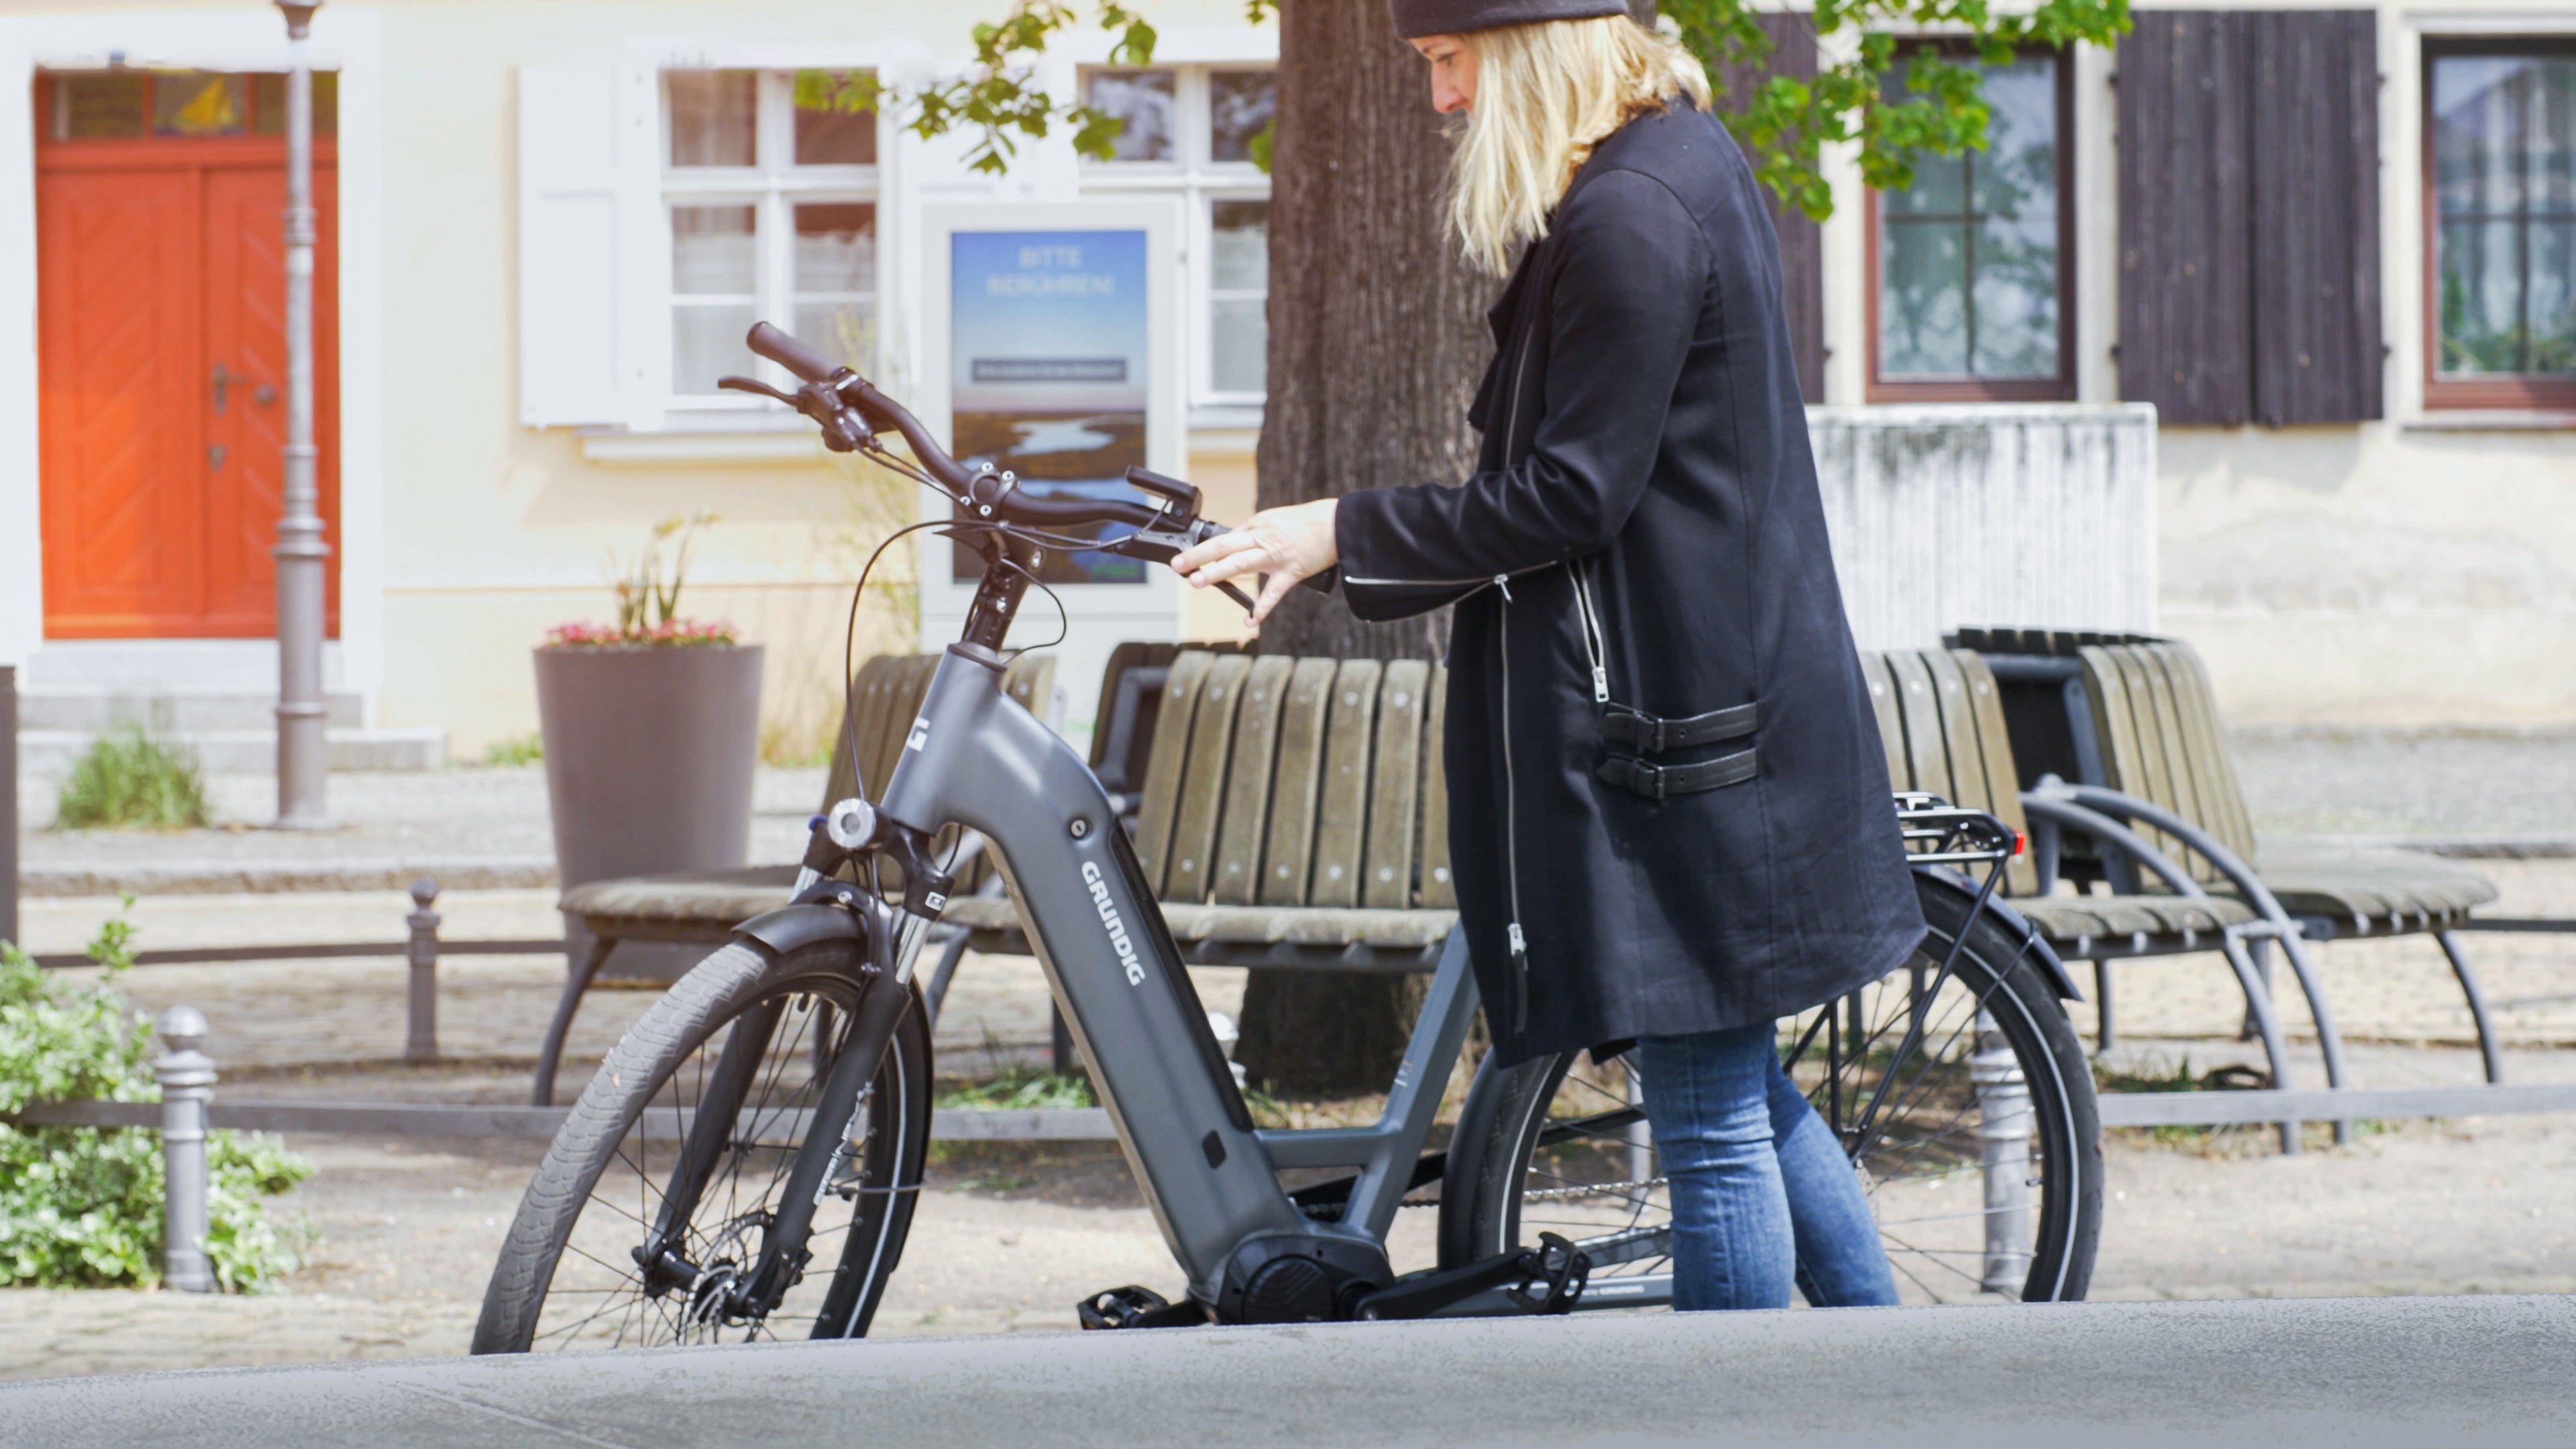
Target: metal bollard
column 2004, row 1125
column 421, row 1045
column 187, row 1085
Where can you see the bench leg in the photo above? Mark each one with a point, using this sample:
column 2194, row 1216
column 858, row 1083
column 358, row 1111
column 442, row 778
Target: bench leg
column 2488, row 1046
column 935, row 994
column 2329, row 1040
column 2267, row 1025
column 2106, row 1035
column 2261, row 951
column 575, row 985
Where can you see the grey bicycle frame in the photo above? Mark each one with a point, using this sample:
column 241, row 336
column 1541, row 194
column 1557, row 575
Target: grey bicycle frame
column 976, row 757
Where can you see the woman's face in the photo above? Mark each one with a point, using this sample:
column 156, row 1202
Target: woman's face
column 1453, row 71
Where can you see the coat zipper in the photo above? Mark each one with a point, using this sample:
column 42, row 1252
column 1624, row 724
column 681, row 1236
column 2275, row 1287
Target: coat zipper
column 1511, row 783
column 1512, row 825
column 1591, row 630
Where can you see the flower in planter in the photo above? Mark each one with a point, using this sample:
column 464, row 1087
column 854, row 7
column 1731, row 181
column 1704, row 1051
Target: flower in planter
column 648, row 599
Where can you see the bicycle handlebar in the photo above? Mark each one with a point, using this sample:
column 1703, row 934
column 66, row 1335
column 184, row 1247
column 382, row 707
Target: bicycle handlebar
column 832, row 392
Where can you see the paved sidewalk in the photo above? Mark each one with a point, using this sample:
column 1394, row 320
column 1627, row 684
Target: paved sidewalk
column 2449, row 1371
column 472, row 827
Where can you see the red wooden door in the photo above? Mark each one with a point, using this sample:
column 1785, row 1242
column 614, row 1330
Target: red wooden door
column 159, row 262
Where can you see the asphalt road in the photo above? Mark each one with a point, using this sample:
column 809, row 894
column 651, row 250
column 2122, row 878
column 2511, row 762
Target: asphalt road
column 2449, row 1371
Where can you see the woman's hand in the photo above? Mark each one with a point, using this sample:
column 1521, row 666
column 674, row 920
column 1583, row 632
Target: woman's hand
column 1283, row 545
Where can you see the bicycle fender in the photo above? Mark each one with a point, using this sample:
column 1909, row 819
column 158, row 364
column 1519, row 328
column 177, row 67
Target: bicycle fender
column 2016, row 922
column 789, row 927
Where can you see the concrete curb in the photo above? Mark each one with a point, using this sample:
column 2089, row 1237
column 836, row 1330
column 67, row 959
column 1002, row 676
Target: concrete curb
column 225, row 877
column 2450, row 1371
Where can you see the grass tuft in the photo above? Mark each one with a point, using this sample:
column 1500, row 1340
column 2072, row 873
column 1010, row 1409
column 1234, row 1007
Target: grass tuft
column 128, row 780
column 526, row 749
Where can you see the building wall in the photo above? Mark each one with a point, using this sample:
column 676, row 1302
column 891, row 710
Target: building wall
column 2415, row 571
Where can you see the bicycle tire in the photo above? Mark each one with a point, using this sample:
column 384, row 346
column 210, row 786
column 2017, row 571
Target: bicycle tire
column 650, row 1066
column 1497, row 1163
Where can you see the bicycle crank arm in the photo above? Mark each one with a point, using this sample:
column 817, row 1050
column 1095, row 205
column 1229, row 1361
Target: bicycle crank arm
column 837, row 1128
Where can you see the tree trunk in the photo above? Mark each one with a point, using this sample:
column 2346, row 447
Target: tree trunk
column 1377, row 339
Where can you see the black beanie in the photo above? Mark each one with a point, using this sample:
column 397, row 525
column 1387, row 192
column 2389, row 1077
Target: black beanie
column 1417, row 18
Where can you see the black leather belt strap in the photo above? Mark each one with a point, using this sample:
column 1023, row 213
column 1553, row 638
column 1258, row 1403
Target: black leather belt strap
column 1659, row 782
column 1648, row 734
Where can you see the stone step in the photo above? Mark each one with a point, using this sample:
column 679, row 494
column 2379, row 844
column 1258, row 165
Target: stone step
column 168, row 712
column 50, row 753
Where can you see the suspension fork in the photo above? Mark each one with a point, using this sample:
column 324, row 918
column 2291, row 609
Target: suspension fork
column 828, row 1142
column 709, row 1130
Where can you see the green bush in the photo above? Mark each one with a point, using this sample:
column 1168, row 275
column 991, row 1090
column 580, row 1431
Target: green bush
column 81, row 1206
column 126, row 779
column 526, row 749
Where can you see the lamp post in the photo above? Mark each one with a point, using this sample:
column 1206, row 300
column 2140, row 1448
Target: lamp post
column 302, row 748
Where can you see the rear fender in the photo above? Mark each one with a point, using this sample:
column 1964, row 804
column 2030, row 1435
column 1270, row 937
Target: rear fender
column 2013, row 921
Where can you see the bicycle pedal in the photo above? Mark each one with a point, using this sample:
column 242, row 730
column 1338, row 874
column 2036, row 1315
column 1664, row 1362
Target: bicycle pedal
column 1138, row 1307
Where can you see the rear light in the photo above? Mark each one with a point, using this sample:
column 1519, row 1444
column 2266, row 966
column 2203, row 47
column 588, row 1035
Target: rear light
column 2018, row 843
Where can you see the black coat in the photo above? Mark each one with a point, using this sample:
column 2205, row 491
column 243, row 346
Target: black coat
column 1644, row 439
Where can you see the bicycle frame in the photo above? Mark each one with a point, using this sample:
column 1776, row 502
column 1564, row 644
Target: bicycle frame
column 976, row 757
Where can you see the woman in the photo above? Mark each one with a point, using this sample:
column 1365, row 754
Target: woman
column 1670, row 820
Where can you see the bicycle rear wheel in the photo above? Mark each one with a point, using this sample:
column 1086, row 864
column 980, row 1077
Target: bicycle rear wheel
column 568, row 1276
column 1982, row 1156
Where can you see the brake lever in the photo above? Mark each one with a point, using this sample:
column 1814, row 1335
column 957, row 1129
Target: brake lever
column 1162, row 545
column 753, row 384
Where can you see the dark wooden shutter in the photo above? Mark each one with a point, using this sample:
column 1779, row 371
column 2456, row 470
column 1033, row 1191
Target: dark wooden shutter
column 1802, row 242
column 2185, row 239
column 2249, row 216
column 2316, row 216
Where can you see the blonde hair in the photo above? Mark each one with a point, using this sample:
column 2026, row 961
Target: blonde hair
column 1546, row 94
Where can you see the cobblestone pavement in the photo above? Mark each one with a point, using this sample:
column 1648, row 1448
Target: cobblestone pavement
column 1009, row 1237
column 2503, row 787
column 470, row 825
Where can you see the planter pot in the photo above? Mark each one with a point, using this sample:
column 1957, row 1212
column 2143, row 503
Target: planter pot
column 649, row 758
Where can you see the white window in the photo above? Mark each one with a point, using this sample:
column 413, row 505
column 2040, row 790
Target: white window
column 1196, row 131
column 772, row 209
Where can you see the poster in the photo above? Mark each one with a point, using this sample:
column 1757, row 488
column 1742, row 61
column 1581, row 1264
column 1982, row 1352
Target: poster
column 1048, row 356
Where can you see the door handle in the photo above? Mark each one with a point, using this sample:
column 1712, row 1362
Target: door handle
column 223, row 380
column 264, row 395
column 215, row 456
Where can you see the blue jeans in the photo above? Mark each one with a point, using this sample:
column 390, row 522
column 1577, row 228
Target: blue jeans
column 1762, row 1194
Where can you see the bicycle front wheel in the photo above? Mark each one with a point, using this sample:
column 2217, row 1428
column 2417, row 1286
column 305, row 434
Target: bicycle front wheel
column 569, row 1275
column 1980, row 1150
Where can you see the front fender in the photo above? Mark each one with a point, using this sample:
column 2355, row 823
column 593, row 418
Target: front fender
column 789, row 927
column 2014, row 921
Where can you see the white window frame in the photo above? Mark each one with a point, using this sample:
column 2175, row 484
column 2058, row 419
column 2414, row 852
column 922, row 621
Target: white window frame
column 773, row 185
column 1201, row 182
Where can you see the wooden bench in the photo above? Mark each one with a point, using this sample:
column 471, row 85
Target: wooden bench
column 2141, row 720
column 1288, row 812
column 702, row 907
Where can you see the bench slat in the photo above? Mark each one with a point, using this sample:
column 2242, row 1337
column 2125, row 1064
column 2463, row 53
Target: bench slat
column 1298, row 782
column 1163, row 767
column 1927, row 759
column 2213, row 774
column 1438, row 890
column 1341, row 816
column 2125, row 756
column 1203, row 780
column 1247, row 786
column 2148, row 675
column 1891, row 720
column 1958, row 731
column 1395, row 786
column 1994, row 745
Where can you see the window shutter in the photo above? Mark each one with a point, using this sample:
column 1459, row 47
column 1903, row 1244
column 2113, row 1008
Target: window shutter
column 2249, row 216
column 2185, row 238
column 2315, row 178
column 1802, row 243
column 586, row 214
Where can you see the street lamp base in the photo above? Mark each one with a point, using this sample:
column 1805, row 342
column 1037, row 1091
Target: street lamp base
column 304, row 822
